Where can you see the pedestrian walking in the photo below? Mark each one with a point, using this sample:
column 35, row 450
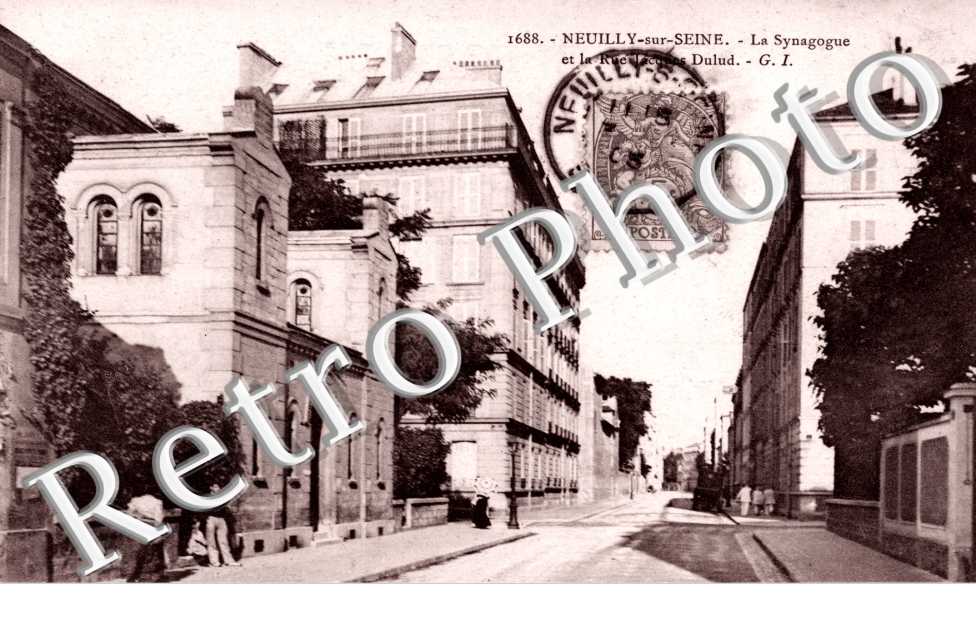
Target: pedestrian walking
column 758, row 500
column 149, row 509
column 744, row 498
column 479, row 515
column 218, row 542
column 769, row 498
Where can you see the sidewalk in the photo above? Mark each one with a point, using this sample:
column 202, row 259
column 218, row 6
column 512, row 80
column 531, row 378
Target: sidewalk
column 372, row 559
column 816, row 555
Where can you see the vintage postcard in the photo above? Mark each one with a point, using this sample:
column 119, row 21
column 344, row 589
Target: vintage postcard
column 448, row 292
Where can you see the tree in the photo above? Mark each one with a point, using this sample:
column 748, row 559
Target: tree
column 160, row 124
column 672, row 464
column 410, row 227
column 418, row 360
column 895, row 328
column 419, row 462
column 633, row 401
column 316, row 202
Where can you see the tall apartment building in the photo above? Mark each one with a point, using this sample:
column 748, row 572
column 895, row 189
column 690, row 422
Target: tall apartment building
column 776, row 440
column 451, row 139
column 24, row 518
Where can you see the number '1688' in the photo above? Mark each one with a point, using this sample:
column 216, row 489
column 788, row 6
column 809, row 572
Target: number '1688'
column 524, row 38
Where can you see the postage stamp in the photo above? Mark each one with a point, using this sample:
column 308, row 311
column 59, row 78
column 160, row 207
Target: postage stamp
column 637, row 115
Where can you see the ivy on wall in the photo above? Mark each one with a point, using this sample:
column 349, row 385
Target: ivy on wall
column 53, row 319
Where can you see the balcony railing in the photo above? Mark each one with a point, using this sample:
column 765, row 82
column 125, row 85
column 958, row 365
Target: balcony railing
column 307, row 141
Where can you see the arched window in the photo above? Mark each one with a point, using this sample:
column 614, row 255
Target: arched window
column 151, row 236
column 107, row 235
column 380, row 294
column 379, row 448
column 302, row 290
column 353, row 420
column 261, row 212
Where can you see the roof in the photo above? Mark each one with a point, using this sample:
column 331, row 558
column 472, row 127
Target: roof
column 364, row 77
column 126, row 120
column 883, row 100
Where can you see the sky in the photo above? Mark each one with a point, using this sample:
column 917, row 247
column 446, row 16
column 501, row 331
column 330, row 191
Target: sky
column 683, row 333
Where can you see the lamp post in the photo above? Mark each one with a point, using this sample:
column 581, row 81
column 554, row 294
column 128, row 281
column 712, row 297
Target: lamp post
column 513, row 523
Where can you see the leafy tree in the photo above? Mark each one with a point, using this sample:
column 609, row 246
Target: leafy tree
column 419, row 462
column 210, row 416
column 894, row 332
column 672, row 464
column 633, row 400
column 409, row 227
column 319, row 203
column 418, row 360
column 162, row 125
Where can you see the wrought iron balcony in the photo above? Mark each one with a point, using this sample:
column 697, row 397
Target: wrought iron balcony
column 307, row 141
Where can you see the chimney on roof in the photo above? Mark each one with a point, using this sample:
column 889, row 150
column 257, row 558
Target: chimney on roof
column 902, row 91
column 489, row 70
column 252, row 111
column 403, row 51
column 255, row 66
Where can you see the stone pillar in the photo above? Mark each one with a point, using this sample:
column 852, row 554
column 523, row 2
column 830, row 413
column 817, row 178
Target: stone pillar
column 960, row 399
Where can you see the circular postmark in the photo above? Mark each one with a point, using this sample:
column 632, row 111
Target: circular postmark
column 634, row 115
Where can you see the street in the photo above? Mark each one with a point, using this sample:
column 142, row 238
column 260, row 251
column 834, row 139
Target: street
column 641, row 541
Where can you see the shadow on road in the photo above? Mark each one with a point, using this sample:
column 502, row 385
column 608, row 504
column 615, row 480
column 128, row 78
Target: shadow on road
column 710, row 551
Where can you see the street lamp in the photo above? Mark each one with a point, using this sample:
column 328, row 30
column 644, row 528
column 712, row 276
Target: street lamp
column 513, row 523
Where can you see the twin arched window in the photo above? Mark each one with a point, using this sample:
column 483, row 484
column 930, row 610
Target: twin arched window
column 149, row 212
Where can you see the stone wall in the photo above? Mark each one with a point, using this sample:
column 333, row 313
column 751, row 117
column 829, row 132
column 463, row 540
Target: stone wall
column 925, row 554
column 856, row 520
column 414, row 513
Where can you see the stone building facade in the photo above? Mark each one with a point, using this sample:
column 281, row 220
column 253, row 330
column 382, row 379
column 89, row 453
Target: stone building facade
column 340, row 283
column 182, row 253
column 24, row 518
column 776, row 442
column 452, row 140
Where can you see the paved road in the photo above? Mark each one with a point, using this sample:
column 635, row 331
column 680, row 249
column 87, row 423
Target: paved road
column 643, row 541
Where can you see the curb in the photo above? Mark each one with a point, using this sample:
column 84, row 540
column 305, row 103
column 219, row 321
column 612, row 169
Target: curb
column 775, row 560
column 428, row 562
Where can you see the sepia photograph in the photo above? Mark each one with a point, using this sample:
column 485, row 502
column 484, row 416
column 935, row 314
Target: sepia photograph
column 603, row 293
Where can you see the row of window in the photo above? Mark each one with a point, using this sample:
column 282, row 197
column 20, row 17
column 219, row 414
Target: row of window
column 347, row 458
column 412, row 193
column 545, row 467
column 414, row 136
column 465, row 260
column 149, row 213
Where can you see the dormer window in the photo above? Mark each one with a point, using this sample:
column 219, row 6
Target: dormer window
column 374, row 63
column 426, row 81
column 322, row 87
column 371, row 84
